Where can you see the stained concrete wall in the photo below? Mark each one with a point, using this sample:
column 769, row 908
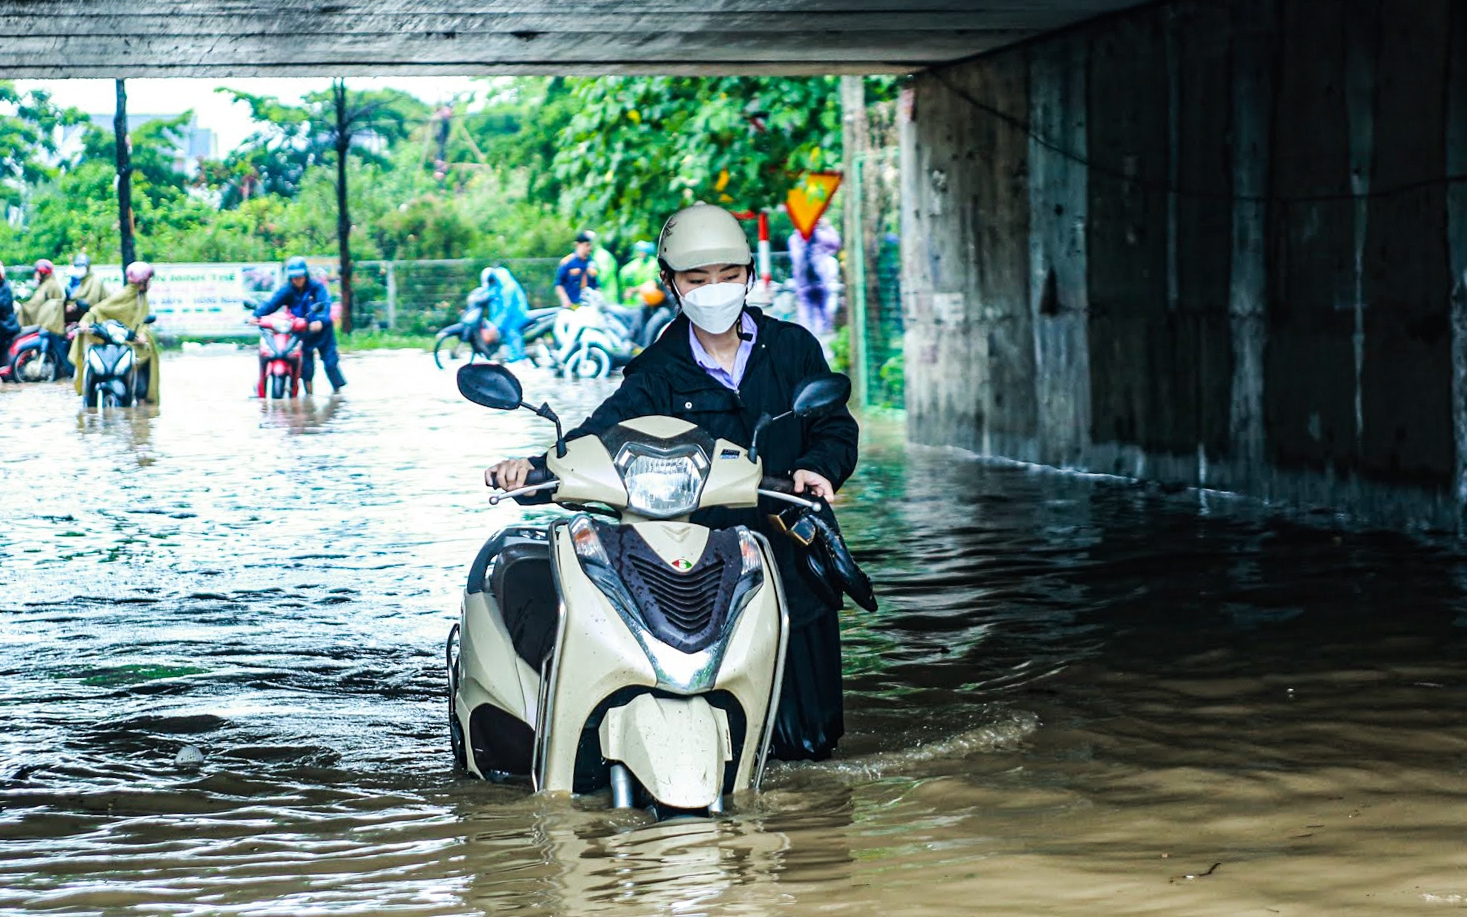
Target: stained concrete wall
column 1206, row 244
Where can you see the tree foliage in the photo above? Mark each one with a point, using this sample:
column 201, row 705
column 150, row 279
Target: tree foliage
column 638, row 148
column 28, row 128
column 291, row 139
column 512, row 177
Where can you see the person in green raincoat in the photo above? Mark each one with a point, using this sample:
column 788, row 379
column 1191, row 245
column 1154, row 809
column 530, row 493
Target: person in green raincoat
column 129, row 306
column 605, row 269
column 47, row 305
column 641, row 269
column 83, row 286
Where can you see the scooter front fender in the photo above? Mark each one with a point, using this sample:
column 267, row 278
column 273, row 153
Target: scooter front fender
column 676, row 747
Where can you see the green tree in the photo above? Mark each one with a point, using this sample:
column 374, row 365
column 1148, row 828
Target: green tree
column 291, row 139
column 28, row 133
column 638, row 148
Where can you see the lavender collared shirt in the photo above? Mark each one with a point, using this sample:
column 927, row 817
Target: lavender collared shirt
column 741, row 360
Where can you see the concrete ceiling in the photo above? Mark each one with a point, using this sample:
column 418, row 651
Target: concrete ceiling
column 216, row 38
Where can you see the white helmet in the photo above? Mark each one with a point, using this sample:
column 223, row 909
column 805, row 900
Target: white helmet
column 702, row 235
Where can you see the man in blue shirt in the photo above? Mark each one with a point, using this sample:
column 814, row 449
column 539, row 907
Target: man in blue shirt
column 307, row 298
column 577, row 271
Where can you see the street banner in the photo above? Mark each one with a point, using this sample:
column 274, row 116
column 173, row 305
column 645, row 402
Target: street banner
column 208, row 300
column 808, row 200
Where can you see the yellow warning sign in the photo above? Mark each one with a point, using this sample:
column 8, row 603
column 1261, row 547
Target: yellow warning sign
column 808, row 200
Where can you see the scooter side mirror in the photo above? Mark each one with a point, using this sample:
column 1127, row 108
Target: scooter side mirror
column 813, row 396
column 821, row 394
column 491, row 385
column 150, row 320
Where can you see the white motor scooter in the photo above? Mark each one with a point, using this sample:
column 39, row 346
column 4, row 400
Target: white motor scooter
column 644, row 653
column 588, row 343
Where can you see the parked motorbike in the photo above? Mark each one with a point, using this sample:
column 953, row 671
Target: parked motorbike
column 111, row 376
column 282, row 349
column 587, row 343
column 645, row 653
column 476, row 334
column 36, row 355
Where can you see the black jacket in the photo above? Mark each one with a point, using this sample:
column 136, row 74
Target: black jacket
column 665, row 379
column 9, row 324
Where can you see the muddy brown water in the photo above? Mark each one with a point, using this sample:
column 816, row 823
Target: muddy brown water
column 1080, row 696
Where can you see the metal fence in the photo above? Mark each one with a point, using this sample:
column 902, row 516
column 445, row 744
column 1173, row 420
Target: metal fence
column 419, row 297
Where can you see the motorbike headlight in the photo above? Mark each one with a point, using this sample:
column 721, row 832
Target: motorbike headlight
column 124, row 363
column 662, row 483
column 94, row 360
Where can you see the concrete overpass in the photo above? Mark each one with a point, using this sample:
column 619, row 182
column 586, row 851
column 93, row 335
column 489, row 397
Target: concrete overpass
column 1205, row 242
column 217, row 38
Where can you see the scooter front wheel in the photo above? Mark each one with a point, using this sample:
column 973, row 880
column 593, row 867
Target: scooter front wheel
column 277, row 387
column 591, row 363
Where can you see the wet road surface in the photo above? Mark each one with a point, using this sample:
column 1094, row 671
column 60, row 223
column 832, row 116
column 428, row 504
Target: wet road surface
column 1080, row 696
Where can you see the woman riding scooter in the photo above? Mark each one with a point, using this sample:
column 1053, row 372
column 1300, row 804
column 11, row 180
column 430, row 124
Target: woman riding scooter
column 130, row 307
column 721, row 365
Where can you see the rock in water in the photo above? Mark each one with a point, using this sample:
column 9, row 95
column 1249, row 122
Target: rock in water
column 189, row 756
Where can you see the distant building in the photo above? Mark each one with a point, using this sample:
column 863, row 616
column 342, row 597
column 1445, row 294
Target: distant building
column 195, row 144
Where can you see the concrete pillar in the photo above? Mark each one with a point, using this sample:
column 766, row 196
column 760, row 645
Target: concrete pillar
column 1058, row 281
column 1456, row 165
column 1253, row 88
column 1204, row 244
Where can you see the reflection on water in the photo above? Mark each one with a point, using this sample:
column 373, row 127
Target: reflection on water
column 1078, row 696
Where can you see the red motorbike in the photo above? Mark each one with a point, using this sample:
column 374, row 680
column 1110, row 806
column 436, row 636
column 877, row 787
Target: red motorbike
column 281, row 348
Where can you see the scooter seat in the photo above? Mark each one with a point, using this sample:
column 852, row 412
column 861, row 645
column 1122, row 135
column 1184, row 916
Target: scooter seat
column 521, row 584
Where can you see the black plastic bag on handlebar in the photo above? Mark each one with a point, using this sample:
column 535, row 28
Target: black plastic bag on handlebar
column 819, row 544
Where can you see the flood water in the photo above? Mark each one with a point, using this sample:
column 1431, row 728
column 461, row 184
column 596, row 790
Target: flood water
column 1080, row 696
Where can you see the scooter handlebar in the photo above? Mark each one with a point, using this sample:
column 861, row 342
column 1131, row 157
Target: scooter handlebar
column 539, row 485
column 784, row 489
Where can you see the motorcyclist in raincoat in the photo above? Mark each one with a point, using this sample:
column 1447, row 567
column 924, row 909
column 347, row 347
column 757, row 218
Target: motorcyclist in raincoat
column 506, row 307
column 83, row 286
column 605, row 269
column 129, row 306
column 640, row 270
column 47, row 305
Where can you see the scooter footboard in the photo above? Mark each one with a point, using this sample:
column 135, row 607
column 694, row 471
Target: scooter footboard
column 676, row 747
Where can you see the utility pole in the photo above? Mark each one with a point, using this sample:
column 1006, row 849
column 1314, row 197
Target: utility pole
column 124, row 176
column 343, row 218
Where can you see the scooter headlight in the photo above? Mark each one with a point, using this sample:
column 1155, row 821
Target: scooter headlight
column 124, row 363
column 94, row 360
column 662, row 483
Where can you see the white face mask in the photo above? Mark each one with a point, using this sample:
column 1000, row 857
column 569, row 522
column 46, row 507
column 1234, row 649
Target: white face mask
column 715, row 307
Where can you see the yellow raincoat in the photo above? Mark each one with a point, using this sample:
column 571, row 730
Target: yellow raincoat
column 91, row 289
column 129, row 306
column 46, row 307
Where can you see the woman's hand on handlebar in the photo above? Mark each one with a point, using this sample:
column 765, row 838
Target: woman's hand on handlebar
column 509, row 474
column 813, row 485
